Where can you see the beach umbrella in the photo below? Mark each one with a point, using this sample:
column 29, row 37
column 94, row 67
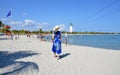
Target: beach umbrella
column 7, row 27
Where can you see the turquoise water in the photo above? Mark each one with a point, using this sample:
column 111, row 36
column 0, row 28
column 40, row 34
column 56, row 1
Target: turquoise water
column 106, row 41
column 99, row 41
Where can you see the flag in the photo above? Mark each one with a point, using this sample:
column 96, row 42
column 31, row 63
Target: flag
column 9, row 14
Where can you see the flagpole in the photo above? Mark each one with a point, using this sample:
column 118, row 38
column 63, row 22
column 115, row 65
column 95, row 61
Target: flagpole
column 9, row 15
column 11, row 27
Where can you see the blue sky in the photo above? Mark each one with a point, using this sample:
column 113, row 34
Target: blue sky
column 85, row 15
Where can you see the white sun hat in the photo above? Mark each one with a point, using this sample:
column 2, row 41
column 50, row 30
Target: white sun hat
column 56, row 28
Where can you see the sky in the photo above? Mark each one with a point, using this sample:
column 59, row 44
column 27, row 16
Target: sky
column 85, row 15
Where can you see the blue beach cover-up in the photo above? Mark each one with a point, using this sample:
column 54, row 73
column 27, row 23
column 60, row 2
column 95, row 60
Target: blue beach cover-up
column 56, row 48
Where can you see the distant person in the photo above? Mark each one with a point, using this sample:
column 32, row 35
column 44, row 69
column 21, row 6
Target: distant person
column 56, row 39
column 66, row 38
column 12, row 35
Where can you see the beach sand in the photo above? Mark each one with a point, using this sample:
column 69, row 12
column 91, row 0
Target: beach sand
column 30, row 56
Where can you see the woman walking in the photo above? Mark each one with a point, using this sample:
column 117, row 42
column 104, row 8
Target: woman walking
column 56, row 39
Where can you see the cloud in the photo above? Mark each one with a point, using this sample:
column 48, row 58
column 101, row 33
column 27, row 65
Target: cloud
column 3, row 19
column 28, row 25
column 25, row 14
column 15, row 23
column 32, row 25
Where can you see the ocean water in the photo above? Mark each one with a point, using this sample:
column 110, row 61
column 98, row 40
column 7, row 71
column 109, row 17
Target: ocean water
column 99, row 41
column 106, row 41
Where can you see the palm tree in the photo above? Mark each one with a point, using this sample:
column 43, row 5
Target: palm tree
column 1, row 25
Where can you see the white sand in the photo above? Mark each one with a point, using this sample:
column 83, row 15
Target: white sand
column 30, row 56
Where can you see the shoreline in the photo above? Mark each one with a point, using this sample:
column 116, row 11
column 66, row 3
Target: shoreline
column 97, row 41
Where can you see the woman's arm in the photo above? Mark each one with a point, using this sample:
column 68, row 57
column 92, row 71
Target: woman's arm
column 52, row 37
column 60, row 37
